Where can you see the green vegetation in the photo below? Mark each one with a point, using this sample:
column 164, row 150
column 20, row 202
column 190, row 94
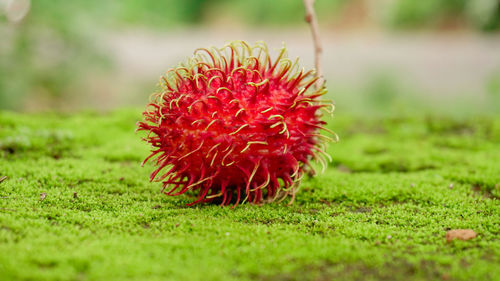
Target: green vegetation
column 380, row 211
column 59, row 47
column 481, row 14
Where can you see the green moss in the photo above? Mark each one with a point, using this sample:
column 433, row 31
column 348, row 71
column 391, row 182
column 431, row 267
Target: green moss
column 380, row 211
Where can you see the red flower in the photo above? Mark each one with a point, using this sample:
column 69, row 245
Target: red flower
column 232, row 124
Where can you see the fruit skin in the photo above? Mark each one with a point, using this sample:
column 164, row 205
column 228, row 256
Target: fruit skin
column 232, row 123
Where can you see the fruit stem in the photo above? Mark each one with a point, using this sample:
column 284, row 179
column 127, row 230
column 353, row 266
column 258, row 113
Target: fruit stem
column 318, row 49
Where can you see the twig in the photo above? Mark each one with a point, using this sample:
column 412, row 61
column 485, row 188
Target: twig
column 318, row 50
column 3, row 178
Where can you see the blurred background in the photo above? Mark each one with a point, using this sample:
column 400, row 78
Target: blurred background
column 380, row 56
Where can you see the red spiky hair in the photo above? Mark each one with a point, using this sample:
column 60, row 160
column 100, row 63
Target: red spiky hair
column 231, row 123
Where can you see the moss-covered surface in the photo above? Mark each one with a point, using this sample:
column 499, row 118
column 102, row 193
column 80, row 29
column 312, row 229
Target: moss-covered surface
column 380, row 211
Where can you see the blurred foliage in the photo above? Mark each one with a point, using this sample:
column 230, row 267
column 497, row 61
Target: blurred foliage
column 381, row 91
column 493, row 89
column 485, row 14
column 480, row 14
column 276, row 12
column 52, row 51
column 48, row 55
column 409, row 13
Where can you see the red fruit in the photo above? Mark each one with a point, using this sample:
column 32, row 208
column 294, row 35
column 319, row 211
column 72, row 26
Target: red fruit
column 233, row 124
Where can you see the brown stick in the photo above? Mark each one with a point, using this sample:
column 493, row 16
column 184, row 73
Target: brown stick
column 318, row 50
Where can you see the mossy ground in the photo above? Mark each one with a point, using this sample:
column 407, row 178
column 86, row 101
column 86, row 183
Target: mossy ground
column 380, row 211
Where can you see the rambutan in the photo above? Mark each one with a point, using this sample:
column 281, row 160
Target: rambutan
column 233, row 124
